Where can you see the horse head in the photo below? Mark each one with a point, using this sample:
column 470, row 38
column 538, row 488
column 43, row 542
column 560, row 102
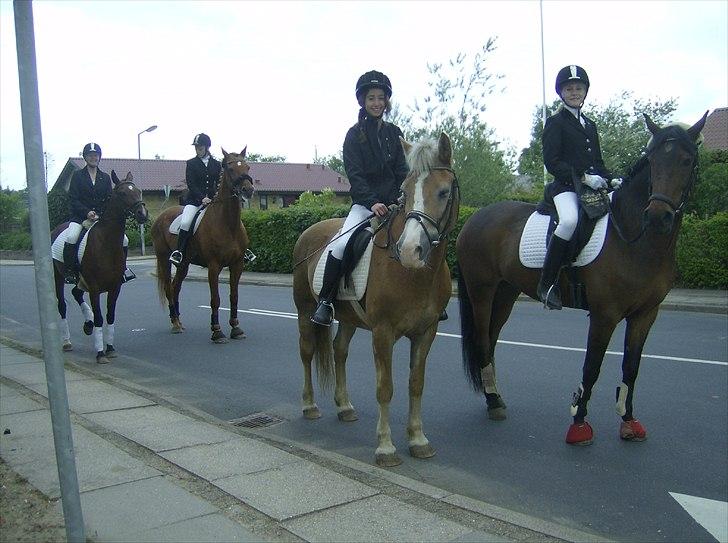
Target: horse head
column 431, row 200
column 236, row 170
column 129, row 198
column 672, row 153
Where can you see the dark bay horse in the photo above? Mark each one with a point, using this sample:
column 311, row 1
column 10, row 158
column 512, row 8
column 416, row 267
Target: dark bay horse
column 404, row 297
column 628, row 280
column 102, row 266
column 219, row 242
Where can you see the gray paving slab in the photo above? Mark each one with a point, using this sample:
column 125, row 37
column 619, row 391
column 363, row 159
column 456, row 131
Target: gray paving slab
column 378, row 518
column 236, row 457
column 12, row 401
column 92, row 396
column 159, row 428
column 11, row 356
column 29, row 450
column 294, row 489
column 215, row 527
column 117, row 512
column 34, row 373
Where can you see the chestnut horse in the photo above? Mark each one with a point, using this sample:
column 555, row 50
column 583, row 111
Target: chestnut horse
column 628, row 280
column 102, row 266
column 408, row 287
column 219, row 242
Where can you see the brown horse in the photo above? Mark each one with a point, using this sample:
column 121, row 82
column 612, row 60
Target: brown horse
column 628, row 280
column 219, row 242
column 405, row 295
column 102, row 266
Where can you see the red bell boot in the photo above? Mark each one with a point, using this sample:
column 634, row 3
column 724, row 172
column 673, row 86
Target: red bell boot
column 580, row 434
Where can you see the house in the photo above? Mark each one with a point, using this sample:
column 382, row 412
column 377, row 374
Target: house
column 715, row 131
column 277, row 184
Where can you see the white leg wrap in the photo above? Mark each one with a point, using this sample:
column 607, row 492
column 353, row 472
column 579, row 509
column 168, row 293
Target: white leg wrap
column 65, row 331
column 87, row 313
column 99, row 339
column 488, row 376
column 622, row 391
column 109, row 334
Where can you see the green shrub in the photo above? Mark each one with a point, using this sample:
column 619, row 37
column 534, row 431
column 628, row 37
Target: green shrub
column 702, row 252
column 57, row 207
column 16, row 241
column 134, row 235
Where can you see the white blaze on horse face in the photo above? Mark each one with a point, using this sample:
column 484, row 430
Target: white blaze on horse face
column 410, row 242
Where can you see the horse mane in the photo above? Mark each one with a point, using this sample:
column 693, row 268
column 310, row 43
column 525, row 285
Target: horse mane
column 423, row 155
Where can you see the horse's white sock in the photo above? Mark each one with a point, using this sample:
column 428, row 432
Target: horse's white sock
column 99, row 339
column 65, row 331
column 622, row 391
column 87, row 313
column 109, row 334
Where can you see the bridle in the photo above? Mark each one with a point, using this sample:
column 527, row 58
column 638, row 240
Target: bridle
column 236, row 190
column 131, row 210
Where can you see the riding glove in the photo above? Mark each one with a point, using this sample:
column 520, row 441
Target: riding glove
column 595, row 181
column 616, row 183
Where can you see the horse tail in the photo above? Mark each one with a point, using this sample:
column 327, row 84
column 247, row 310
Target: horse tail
column 324, row 355
column 472, row 350
column 164, row 276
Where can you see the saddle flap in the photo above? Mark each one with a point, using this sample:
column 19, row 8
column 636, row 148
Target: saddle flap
column 358, row 279
column 196, row 220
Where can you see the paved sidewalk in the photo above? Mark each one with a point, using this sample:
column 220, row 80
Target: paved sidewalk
column 151, row 470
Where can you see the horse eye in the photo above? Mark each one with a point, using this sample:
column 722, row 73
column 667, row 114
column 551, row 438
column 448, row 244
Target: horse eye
column 443, row 194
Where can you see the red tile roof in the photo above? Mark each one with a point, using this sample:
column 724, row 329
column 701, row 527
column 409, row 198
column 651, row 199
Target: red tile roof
column 270, row 177
column 715, row 130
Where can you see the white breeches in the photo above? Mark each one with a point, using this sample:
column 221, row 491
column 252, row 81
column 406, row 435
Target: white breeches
column 567, row 206
column 188, row 213
column 74, row 230
column 357, row 214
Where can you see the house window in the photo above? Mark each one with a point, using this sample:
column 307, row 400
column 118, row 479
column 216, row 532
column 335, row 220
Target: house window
column 263, row 201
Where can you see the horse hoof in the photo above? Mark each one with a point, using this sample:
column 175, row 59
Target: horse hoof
column 497, row 413
column 348, row 415
column 237, row 333
column 580, row 434
column 387, row 460
column 422, row 451
column 88, row 327
column 111, row 352
column 312, row 413
column 102, row 359
column 632, row 430
column 67, row 347
column 220, row 340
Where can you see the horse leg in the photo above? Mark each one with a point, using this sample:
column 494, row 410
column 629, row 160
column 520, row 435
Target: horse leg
column 174, row 289
column 111, row 299
column 235, row 271
column 419, row 445
column 213, row 278
column 345, row 411
column 600, row 331
column 383, row 344
column 638, row 327
column 98, row 328
column 62, row 308
column 88, row 315
column 307, row 349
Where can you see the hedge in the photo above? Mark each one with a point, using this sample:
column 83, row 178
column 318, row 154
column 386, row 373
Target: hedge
column 702, row 252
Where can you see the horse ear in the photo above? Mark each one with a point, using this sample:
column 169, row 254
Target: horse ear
column 405, row 145
column 114, row 177
column 695, row 130
column 651, row 126
column 129, row 177
column 244, row 151
column 224, row 152
column 444, row 149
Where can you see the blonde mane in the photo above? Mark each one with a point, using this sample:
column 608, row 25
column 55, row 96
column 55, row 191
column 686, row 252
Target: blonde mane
column 423, row 156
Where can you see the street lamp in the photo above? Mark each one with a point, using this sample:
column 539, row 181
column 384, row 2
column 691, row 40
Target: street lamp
column 139, row 156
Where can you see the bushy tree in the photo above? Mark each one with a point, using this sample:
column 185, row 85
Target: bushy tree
column 12, row 209
column 335, row 162
column 257, row 157
column 310, row 200
column 710, row 194
column 57, row 207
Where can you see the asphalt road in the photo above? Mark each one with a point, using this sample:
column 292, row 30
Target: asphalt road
column 618, row 489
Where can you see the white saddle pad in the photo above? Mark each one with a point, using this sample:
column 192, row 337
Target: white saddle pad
column 174, row 227
column 532, row 249
column 57, row 245
column 359, row 276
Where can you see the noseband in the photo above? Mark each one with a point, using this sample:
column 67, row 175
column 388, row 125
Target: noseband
column 235, row 189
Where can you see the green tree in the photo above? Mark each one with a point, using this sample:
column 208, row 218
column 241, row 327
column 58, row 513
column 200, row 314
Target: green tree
column 12, row 209
column 257, row 157
column 310, row 200
column 57, row 207
column 335, row 162
column 710, row 194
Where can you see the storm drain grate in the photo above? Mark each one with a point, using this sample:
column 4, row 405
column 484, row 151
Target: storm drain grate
column 257, row 420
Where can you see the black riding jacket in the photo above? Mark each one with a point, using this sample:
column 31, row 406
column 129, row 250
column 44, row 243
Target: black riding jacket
column 84, row 195
column 201, row 181
column 374, row 162
column 570, row 149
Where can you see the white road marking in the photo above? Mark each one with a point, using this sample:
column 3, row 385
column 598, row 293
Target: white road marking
column 268, row 313
column 710, row 514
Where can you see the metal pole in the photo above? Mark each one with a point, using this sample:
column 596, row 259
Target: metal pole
column 141, row 226
column 543, row 83
column 44, row 284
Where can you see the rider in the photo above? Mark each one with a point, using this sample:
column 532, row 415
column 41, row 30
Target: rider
column 202, row 176
column 89, row 190
column 376, row 167
column 571, row 154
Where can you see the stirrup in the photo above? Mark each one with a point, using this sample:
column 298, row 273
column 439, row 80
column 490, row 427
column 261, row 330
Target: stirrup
column 128, row 276
column 548, row 301
column 176, row 257
column 70, row 278
column 328, row 318
column 249, row 256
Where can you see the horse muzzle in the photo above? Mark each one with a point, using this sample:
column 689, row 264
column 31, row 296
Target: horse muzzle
column 660, row 214
column 413, row 247
column 140, row 213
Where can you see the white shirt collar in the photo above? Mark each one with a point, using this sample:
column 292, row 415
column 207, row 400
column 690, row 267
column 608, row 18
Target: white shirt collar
column 576, row 112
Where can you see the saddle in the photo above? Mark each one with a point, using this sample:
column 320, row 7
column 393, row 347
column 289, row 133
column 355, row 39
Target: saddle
column 196, row 220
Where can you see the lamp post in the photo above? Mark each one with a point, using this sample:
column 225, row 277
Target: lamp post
column 139, row 156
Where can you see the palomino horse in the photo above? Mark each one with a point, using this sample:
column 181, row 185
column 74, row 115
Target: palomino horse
column 628, row 280
column 405, row 295
column 102, row 266
column 219, row 242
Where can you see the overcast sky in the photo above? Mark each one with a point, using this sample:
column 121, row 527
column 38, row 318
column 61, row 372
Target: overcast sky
column 279, row 76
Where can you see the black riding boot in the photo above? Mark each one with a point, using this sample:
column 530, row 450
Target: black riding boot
column 128, row 274
column 324, row 314
column 548, row 289
column 70, row 263
column 177, row 256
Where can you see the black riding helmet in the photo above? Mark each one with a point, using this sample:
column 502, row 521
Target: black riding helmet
column 373, row 80
column 571, row 73
column 91, row 148
column 202, row 139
